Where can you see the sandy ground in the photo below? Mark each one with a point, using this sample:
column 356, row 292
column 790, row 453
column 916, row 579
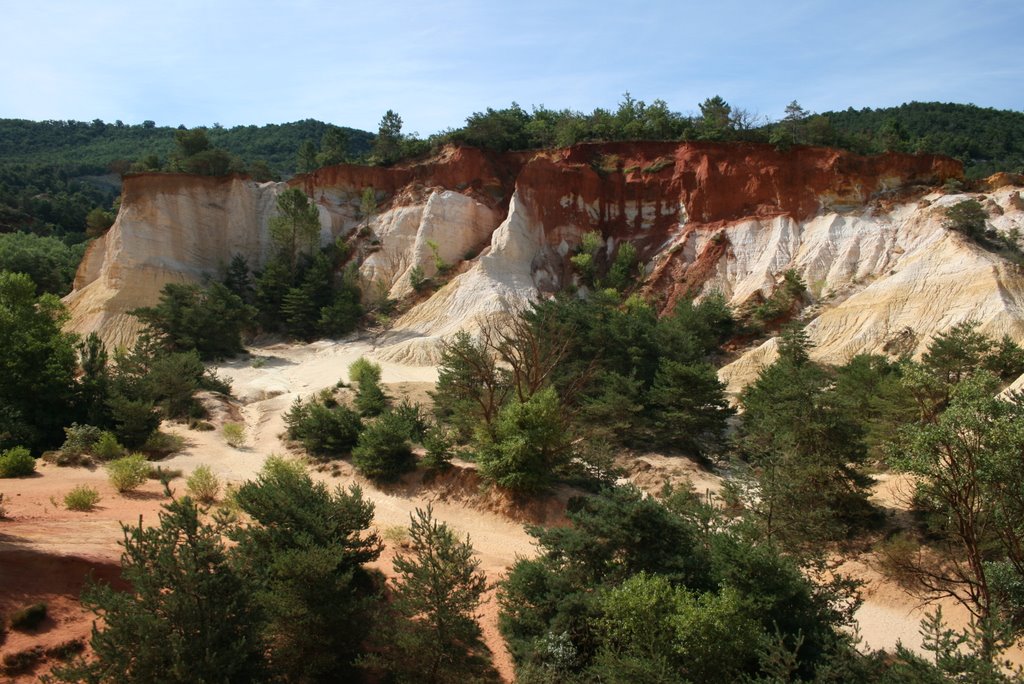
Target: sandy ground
column 46, row 551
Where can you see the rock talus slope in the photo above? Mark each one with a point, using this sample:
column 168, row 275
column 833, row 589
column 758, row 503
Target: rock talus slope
column 864, row 233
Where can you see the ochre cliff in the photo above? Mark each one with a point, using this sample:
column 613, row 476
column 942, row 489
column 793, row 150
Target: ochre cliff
column 703, row 216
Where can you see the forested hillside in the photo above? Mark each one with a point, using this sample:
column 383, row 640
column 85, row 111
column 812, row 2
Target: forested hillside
column 53, row 173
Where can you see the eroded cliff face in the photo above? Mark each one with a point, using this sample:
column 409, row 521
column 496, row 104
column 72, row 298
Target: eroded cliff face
column 703, row 217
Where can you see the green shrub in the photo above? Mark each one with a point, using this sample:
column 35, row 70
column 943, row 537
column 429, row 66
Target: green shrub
column 128, row 473
column 361, row 370
column 81, row 498
column 29, row 617
column 418, row 279
column 413, row 418
column 967, row 217
column 80, row 439
column 438, row 443
column 234, row 434
column 203, row 484
column 107, row 448
column 322, row 430
column 17, row 462
column 370, row 398
column 163, row 443
column 383, row 451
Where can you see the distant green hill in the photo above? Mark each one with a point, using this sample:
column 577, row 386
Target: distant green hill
column 985, row 140
column 52, row 173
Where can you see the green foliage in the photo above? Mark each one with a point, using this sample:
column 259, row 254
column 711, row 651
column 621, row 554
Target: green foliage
column 529, row 445
column 29, row 618
column 207, row 320
column 438, row 443
column 80, row 440
column 303, row 557
column 383, row 451
column 437, row 590
column 49, row 261
column 81, row 498
column 803, row 448
column 470, row 388
column 38, row 365
column 234, row 434
column 638, row 590
column 17, row 462
column 967, row 217
column 325, row 431
column 296, row 227
column 128, row 473
column 363, row 370
column 134, row 420
column 623, row 270
column 387, row 147
column 370, row 398
column 968, row 461
column 417, row 279
column 187, row 618
column 783, row 303
column 203, row 484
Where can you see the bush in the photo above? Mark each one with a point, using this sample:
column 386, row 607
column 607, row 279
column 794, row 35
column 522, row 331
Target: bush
column 383, row 451
column 438, row 443
column 81, row 498
column 163, row 443
column 967, row 217
column 234, row 434
column 361, row 370
column 413, row 418
column 323, row 430
column 29, row 617
column 203, row 484
column 370, row 398
column 107, row 448
column 128, row 473
column 80, row 439
column 17, row 462
column 417, row 279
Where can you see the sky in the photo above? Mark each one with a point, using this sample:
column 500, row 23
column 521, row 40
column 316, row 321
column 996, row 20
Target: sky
column 200, row 62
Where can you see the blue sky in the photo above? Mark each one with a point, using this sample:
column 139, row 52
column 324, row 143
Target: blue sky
column 198, row 62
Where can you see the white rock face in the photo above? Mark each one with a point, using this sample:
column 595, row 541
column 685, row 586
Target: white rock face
column 177, row 232
column 874, row 277
column 897, row 277
column 455, row 223
column 500, row 281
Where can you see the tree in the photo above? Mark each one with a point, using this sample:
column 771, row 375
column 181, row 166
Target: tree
column 531, row 442
column 716, row 119
column 803, row 449
column 388, row 145
column 207, row 320
column 187, row 618
column 38, row 365
column 307, row 157
column 368, row 205
column 791, row 130
column 972, row 482
column 470, row 388
column 333, row 147
column 436, row 594
column 383, row 451
column 304, row 556
column 967, row 217
column 296, row 226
